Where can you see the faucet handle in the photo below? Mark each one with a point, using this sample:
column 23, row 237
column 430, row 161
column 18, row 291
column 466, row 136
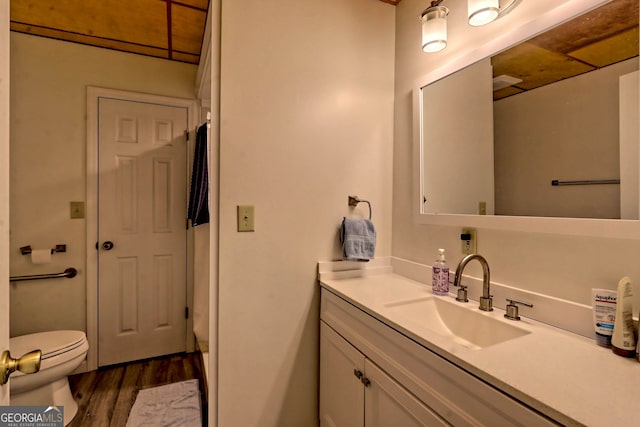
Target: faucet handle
column 462, row 294
column 512, row 308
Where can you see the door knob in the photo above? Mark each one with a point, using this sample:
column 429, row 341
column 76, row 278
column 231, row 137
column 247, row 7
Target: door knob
column 107, row 246
column 29, row 363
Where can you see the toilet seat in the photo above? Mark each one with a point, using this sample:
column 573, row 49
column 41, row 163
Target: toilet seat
column 62, row 353
column 51, row 343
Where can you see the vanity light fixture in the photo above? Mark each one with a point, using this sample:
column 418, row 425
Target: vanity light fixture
column 482, row 12
column 434, row 27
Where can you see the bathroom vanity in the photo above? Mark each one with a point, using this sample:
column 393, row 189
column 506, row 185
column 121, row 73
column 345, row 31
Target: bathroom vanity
column 391, row 353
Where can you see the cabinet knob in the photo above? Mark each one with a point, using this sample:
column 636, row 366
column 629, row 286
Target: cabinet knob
column 366, row 381
column 358, row 374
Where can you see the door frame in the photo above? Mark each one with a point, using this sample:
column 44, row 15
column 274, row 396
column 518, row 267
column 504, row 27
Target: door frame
column 4, row 188
column 91, row 211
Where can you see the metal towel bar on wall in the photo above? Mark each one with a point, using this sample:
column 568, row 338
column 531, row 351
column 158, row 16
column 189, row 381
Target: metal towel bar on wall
column 69, row 273
column 557, row 182
column 354, row 200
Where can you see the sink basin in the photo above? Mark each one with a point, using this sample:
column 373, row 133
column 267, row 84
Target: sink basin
column 465, row 325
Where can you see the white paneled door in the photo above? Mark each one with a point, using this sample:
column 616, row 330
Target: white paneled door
column 142, row 245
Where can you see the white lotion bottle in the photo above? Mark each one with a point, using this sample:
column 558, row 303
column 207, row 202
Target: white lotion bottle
column 604, row 314
column 623, row 341
column 440, row 275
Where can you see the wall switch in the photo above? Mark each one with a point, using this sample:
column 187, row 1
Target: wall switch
column 246, row 218
column 482, row 208
column 76, row 210
column 469, row 241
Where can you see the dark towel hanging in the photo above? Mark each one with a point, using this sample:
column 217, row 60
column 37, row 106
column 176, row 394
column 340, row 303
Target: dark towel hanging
column 199, row 194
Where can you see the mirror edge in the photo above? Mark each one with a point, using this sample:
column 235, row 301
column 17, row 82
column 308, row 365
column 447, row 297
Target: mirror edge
column 621, row 229
column 617, row 229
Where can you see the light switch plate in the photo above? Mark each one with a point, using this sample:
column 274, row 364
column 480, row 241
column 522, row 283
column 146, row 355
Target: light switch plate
column 482, row 208
column 76, row 210
column 246, row 219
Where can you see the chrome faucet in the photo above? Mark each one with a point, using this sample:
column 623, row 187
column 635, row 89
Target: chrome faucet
column 486, row 300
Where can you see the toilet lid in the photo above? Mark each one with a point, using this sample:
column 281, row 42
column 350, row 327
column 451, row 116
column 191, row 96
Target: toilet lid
column 51, row 343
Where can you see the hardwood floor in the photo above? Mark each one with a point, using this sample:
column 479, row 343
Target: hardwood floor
column 106, row 396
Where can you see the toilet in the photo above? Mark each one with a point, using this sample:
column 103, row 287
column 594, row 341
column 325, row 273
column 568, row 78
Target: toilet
column 62, row 353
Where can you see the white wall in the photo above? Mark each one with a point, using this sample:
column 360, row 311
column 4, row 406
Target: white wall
column 561, row 266
column 306, row 120
column 48, row 158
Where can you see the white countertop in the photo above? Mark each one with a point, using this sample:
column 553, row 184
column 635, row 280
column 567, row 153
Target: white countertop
column 563, row 375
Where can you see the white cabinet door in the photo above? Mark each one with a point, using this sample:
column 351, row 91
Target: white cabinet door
column 341, row 391
column 380, row 402
column 389, row 404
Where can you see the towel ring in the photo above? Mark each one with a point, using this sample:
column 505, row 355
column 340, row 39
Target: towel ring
column 354, row 200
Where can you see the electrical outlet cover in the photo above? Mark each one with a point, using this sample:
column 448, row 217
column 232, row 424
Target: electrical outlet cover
column 469, row 246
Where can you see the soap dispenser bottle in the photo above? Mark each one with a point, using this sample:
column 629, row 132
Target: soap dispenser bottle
column 440, row 275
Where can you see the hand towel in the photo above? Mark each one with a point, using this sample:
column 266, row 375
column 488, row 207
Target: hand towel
column 358, row 237
column 199, row 195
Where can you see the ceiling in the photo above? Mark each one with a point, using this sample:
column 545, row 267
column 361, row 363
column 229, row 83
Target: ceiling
column 169, row 29
column 174, row 29
column 604, row 36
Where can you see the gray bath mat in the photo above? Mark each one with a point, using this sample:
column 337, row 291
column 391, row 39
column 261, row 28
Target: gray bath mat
column 175, row 405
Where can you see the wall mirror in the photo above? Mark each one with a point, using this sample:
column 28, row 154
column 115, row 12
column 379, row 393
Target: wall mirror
column 540, row 132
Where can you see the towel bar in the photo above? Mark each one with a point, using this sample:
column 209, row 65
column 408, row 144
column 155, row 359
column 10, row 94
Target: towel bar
column 69, row 272
column 354, row 200
column 557, row 182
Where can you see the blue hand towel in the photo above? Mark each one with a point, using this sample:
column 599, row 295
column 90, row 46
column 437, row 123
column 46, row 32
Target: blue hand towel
column 358, row 237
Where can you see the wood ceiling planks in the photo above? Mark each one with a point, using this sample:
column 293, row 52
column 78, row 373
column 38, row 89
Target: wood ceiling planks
column 171, row 29
column 602, row 37
column 599, row 24
column 536, row 66
column 187, row 26
column 610, row 50
column 161, row 28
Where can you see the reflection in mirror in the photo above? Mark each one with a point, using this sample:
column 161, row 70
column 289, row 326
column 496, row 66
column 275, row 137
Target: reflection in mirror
column 466, row 149
column 563, row 107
